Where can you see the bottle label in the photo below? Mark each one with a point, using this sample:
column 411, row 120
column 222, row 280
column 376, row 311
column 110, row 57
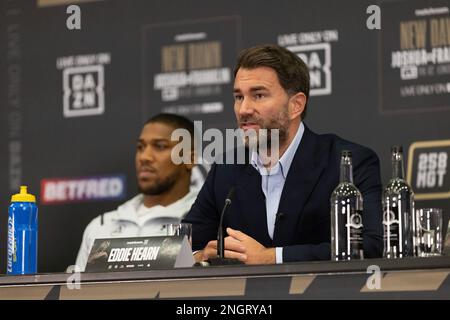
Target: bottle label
column 398, row 231
column 390, row 224
column 347, row 229
column 355, row 228
column 12, row 256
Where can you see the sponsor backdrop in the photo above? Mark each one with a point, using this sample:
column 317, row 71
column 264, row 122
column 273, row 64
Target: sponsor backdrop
column 73, row 101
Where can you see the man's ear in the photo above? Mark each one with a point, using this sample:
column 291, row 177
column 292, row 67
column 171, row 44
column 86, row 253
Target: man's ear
column 297, row 104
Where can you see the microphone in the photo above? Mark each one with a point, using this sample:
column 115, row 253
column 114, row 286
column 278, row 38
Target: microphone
column 220, row 237
column 221, row 260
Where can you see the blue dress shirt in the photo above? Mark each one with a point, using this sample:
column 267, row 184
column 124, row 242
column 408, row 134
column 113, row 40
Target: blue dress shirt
column 272, row 182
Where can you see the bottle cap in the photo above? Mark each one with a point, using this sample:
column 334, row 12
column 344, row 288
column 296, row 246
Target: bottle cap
column 396, row 148
column 346, row 153
column 23, row 196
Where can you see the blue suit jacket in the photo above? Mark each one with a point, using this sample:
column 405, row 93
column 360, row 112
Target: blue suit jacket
column 303, row 228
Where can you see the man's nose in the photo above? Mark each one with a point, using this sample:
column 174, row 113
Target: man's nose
column 245, row 107
column 146, row 155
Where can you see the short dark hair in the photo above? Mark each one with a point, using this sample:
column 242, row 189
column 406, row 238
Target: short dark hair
column 175, row 121
column 292, row 72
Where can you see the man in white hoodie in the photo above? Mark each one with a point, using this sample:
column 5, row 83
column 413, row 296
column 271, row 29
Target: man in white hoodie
column 165, row 195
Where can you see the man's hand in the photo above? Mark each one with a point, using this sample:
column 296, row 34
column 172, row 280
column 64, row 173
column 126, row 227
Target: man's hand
column 256, row 253
column 239, row 246
column 233, row 250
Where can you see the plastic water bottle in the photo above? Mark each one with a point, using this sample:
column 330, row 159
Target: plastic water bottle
column 22, row 233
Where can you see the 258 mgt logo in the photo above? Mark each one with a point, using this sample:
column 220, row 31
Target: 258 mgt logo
column 427, row 169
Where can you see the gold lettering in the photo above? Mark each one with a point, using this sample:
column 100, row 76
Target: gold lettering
column 173, row 58
column 205, row 55
column 413, row 34
column 440, row 32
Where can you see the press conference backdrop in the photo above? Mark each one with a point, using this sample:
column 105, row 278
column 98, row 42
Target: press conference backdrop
column 73, row 101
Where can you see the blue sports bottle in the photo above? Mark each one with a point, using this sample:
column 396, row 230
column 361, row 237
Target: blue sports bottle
column 22, row 233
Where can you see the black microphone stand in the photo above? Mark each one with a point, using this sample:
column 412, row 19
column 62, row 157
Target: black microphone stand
column 220, row 260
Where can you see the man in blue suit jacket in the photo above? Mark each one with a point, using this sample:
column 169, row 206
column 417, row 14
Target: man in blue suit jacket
column 280, row 212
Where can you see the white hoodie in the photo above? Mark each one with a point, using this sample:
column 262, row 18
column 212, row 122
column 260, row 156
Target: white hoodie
column 126, row 222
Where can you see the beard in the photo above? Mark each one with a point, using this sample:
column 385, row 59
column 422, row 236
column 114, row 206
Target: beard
column 280, row 123
column 160, row 186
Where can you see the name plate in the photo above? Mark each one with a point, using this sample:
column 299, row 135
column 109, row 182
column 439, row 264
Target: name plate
column 140, row 253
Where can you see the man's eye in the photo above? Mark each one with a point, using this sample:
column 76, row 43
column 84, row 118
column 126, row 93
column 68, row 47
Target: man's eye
column 259, row 96
column 238, row 97
column 160, row 146
column 140, row 147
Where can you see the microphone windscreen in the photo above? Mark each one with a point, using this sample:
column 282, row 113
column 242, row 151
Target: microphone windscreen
column 230, row 193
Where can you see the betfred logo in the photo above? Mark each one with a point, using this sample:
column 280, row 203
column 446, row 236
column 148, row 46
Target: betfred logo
column 68, row 190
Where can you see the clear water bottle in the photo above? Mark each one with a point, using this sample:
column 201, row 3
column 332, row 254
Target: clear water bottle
column 398, row 212
column 22, row 233
column 346, row 215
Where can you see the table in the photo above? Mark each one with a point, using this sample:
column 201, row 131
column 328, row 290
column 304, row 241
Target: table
column 409, row 278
